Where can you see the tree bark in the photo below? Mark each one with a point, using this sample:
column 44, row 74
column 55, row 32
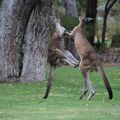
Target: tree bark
column 36, row 43
column 24, row 37
column 91, row 11
column 71, row 8
column 13, row 21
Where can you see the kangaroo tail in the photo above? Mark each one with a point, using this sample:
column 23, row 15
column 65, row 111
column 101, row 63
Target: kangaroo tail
column 49, row 83
column 68, row 57
column 106, row 82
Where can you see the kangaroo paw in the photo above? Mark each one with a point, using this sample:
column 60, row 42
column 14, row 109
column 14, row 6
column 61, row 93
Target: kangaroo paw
column 91, row 95
column 83, row 94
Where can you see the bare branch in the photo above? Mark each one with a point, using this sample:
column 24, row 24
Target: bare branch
column 109, row 5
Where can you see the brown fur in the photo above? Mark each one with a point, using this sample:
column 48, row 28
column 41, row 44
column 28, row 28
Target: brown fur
column 89, row 59
column 54, row 59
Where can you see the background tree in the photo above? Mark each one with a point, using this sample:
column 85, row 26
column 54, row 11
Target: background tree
column 108, row 7
column 71, row 10
column 91, row 11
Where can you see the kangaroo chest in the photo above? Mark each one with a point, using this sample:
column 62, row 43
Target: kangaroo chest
column 81, row 45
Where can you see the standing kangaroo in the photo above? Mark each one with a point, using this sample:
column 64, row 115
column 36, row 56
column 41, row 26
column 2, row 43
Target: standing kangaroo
column 53, row 58
column 90, row 61
column 57, row 54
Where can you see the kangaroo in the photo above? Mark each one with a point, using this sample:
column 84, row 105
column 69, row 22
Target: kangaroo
column 90, row 61
column 57, row 54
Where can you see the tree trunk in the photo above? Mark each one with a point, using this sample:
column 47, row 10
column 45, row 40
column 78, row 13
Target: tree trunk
column 16, row 34
column 71, row 10
column 13, row 21
column 104, row 30
column 108, row 7
column 91, row 11
column 36, row 43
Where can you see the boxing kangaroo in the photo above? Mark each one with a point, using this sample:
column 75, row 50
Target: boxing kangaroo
column 57, row 54
column 90, row 61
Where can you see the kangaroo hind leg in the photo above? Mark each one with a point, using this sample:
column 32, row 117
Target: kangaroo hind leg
column 88, row 85
column 84, row 90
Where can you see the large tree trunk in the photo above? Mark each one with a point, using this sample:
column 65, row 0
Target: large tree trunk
column 16, row 34
column 91, row 11
column 71, row 10
column 14, row 15
column 36, row 43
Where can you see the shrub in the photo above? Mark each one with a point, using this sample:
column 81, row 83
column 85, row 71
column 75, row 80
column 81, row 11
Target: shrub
column 116, row 40
column 69, row 22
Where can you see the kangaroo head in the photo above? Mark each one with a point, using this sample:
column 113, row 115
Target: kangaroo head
column 56, row 21
column 80, row 27
column 59, row 29
column 85, row 20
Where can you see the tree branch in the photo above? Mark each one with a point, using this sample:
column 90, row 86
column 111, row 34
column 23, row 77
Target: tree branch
column 109, row 5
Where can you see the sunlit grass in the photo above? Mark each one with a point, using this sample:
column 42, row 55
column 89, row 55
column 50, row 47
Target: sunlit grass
column 23, row 101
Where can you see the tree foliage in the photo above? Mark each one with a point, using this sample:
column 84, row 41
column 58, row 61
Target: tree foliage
column 69, row 22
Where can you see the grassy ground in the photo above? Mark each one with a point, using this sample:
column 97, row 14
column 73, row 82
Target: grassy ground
column 23, row 101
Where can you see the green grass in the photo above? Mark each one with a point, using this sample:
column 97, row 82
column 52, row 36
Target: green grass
column 23, row 101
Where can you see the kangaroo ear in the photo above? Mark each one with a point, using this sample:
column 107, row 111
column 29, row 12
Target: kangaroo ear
column 88, row 19
column 82, row 18
column 85, row 19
